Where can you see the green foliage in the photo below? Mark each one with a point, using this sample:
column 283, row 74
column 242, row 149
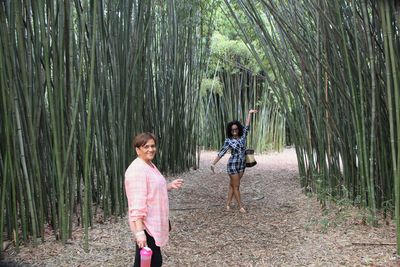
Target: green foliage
column 224, row 23
column 211, row 86
column 240, row 86
column 234, row 54
column 235, row 49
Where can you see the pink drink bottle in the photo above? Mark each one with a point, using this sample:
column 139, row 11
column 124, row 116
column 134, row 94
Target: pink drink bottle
column 145, row 257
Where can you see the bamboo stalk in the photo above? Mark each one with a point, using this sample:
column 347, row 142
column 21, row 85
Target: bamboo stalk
column 370, row 177
column 391, row 73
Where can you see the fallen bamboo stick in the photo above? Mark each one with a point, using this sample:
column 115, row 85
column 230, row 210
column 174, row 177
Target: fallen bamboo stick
column 373, row 244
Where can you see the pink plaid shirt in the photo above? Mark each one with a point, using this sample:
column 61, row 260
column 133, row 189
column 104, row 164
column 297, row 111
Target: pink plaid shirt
column 146, row 190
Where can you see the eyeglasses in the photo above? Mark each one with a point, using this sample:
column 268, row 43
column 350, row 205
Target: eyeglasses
column 147, row 147
column 234, row 129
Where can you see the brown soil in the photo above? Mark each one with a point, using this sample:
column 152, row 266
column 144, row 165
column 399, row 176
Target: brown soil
column 283, row 227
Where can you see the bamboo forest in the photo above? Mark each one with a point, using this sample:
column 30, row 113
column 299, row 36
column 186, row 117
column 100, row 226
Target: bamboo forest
column 79, row 79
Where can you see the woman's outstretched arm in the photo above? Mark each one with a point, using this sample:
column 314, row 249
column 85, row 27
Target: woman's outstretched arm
column 248, row 119
column 217, row 158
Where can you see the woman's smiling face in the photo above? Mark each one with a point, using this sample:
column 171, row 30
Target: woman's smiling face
column 147, row 152
column 235, row 130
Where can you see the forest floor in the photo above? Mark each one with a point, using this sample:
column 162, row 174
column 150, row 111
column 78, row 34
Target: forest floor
column 283, row 226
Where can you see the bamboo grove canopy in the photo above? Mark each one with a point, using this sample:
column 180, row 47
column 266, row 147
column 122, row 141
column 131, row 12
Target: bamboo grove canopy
column 79, row 78
column 335, row 69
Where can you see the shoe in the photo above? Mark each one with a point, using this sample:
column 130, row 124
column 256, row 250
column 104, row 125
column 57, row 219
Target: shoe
column 228, row 208
column 242, row 210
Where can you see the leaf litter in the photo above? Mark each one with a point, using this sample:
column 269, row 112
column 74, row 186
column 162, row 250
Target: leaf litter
column 282, row 226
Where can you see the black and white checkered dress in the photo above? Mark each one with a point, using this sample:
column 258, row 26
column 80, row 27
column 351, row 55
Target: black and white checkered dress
column 237, row 161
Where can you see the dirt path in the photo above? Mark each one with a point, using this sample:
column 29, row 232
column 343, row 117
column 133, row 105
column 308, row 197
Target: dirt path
column 283, row 227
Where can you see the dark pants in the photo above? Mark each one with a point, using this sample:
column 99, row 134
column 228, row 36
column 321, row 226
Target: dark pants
column 156, row 258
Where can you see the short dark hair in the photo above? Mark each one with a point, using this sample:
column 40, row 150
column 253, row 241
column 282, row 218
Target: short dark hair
column 142, row 138
column 229, row 128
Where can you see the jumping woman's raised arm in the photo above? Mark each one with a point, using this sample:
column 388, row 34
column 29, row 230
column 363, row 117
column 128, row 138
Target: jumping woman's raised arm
column 248, row 119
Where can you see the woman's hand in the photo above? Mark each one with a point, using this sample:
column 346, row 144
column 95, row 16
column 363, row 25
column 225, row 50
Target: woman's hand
column 251, row 111
column 176, row 184
column 141, row 239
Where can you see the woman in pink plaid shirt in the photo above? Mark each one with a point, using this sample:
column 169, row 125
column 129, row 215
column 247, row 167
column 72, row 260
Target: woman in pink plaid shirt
column 146, row 190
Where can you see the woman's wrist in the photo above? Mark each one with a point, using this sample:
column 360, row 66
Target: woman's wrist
column 140, row 233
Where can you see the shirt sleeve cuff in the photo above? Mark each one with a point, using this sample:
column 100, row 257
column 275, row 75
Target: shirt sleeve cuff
column 136, row 214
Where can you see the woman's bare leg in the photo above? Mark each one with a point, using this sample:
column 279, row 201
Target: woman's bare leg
column 230, row 195
column 235, row 184
column 241, row 208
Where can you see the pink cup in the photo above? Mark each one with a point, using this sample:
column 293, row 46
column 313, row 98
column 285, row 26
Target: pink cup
column 145, row 257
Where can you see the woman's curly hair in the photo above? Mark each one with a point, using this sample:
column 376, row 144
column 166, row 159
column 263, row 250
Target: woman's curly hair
column 229, row 128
